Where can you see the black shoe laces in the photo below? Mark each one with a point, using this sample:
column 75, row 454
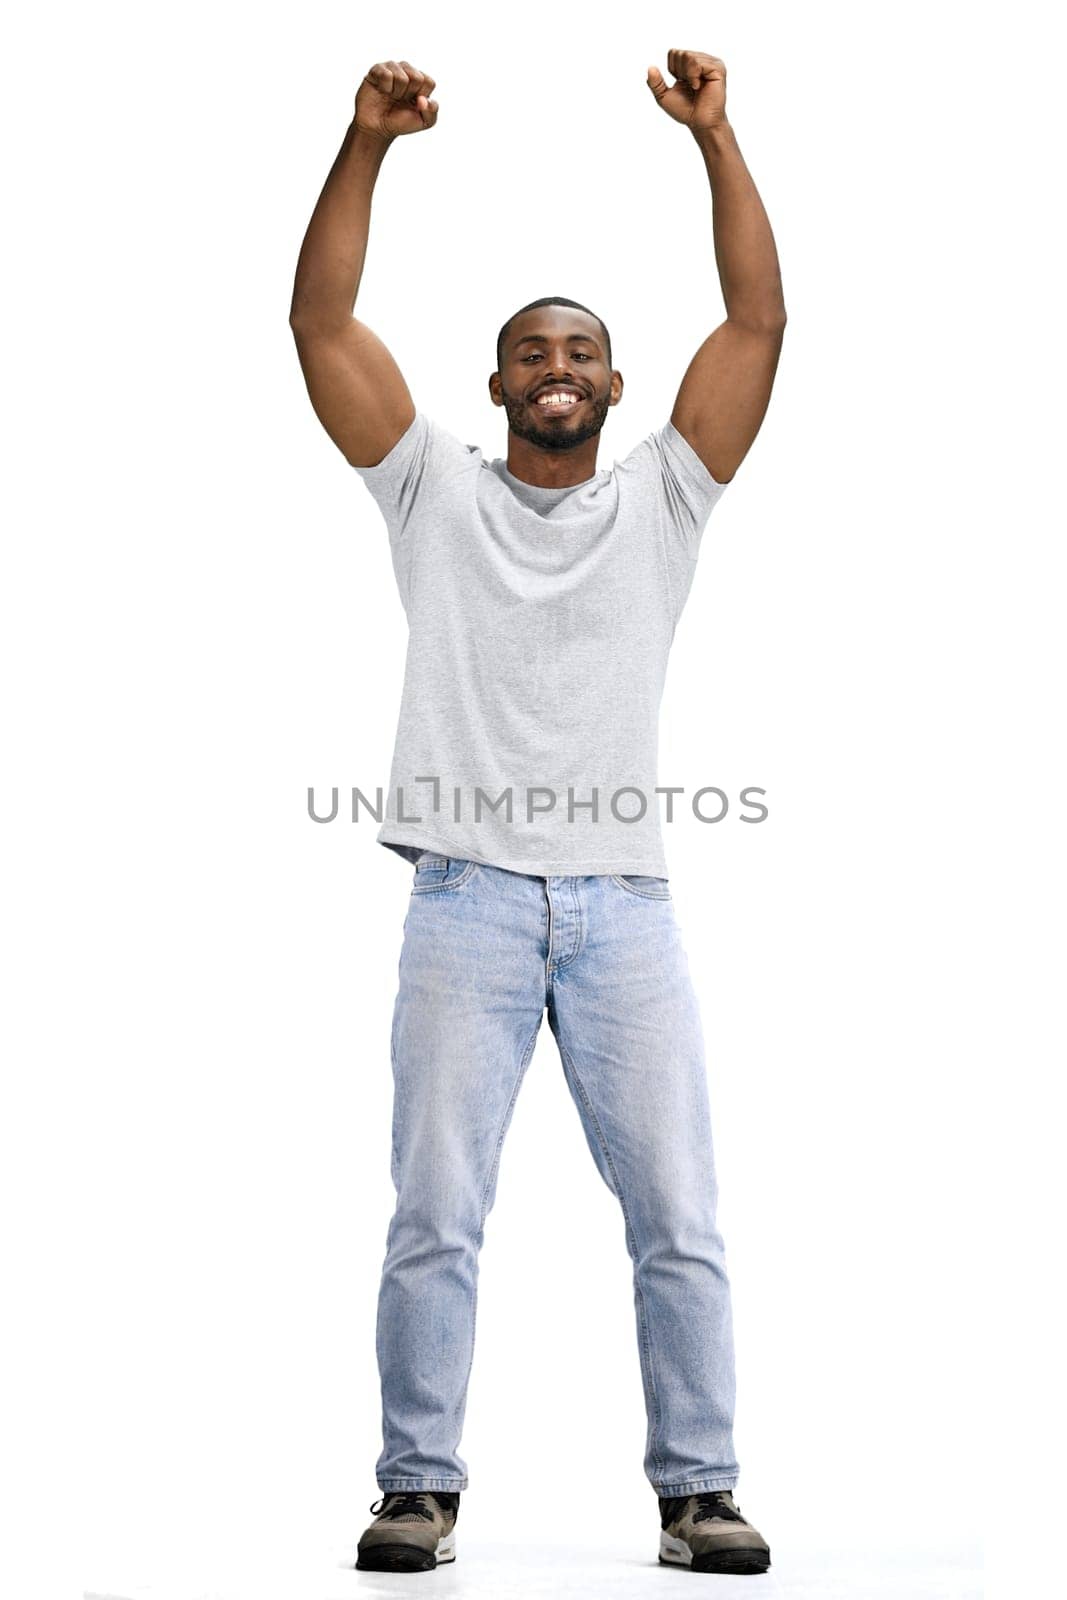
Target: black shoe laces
column 712, row 1506
column 402, row 1504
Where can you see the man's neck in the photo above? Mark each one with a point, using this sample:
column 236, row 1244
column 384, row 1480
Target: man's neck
column 551, row 469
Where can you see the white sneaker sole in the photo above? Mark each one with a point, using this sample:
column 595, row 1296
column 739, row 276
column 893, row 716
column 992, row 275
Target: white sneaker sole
column 729, row 1559
column 674, row 1550
column 446, row 1548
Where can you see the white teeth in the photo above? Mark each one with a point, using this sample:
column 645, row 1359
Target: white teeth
column 557, row 400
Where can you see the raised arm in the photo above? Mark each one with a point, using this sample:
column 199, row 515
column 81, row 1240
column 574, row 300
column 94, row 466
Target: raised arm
column 727, row 386
column 356, row 388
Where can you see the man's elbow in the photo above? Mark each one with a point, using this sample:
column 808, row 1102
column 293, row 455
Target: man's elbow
column 767, row 320
column 307, row 324
column 311, row 311
column 301, row 317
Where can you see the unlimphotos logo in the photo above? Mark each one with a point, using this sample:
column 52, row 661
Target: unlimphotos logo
column 626, row 804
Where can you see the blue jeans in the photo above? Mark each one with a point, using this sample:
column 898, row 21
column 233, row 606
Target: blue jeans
column 485, row 952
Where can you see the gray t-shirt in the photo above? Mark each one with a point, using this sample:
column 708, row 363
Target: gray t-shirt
column 540, row 622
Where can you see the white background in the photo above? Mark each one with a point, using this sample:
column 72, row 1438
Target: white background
column 200, row 620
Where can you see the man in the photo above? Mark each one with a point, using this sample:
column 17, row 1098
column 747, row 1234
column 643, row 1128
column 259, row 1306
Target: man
column 542, row 597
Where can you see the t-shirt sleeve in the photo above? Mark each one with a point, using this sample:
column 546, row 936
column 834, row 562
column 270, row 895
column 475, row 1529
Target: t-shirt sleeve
column 675, row 494
column 409, row 480
column 686, row 487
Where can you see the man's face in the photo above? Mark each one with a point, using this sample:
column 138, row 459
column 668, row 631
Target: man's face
column 555, row 350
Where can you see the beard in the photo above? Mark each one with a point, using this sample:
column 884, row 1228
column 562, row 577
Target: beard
column 523, row 425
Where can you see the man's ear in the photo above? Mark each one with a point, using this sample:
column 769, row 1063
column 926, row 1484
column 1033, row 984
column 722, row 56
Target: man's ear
column 494, row 389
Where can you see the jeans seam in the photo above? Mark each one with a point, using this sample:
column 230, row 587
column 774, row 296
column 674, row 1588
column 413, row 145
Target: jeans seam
column 644, row 894
column 645, row 1341
column 395, row 1485
column 445, row 888
column 579, row 933
column 718, row 1480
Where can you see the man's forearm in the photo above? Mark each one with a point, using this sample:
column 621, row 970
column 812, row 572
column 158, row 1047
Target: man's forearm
column 331, row 259
column 744, row 244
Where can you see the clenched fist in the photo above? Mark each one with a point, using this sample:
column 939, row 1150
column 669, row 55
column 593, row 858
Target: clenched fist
column 393, row 99
column 697, row 96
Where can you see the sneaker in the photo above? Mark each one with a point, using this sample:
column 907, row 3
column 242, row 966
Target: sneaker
column 411, row 1533
column 708, row 1533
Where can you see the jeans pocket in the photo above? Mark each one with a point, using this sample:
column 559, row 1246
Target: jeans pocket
column 436, row 873
column 639, row 883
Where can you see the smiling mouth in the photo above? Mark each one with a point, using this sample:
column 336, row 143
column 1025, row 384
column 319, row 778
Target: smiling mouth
column 568, row 402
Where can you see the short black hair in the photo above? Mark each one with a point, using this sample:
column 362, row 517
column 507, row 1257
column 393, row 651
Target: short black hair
column 535, row 305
